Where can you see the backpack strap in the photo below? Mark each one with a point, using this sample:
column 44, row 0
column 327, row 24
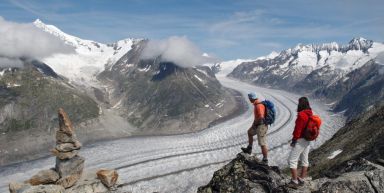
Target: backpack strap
column 306, row 126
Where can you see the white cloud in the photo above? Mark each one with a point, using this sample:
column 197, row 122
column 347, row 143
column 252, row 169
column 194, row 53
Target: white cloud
column 178, row 50
column 380, row 58
column 25, row 40
column 10, row 62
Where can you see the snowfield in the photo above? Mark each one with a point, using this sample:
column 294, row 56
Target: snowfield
column 182, row 163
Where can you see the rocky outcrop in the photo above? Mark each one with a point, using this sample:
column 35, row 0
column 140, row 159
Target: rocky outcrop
column 67, row 176
column 247, row 174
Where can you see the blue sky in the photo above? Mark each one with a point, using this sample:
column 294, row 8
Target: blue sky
column 228, row 29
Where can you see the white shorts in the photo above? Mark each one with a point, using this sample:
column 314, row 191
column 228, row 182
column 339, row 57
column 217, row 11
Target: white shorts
column 301, row 150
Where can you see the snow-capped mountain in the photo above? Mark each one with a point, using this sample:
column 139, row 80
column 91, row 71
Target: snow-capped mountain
column 162, row 97
column 290, row 66
column 327, row 71
column 90, row 58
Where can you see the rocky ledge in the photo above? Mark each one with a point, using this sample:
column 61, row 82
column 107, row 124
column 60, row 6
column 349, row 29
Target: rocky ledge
column 247, row 174
column 67, row 176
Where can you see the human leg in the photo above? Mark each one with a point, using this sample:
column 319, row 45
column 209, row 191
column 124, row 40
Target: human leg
column 261, row 132
column 294, row 158
column 251, row 132
column 304, row 158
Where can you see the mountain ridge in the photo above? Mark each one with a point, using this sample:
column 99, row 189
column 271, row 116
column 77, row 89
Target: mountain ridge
column 320, row 71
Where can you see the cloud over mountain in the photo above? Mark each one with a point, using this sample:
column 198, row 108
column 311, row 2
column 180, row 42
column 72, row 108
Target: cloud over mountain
column 178, row 50
column 25, row 40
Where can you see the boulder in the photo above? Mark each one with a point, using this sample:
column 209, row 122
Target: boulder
column 69, row 167
column 108, row 177
column 44, row 177
column 64, row 155
column 245, row 174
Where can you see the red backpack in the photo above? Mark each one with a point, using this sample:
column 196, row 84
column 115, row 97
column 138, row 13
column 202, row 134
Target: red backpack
column 312, row 130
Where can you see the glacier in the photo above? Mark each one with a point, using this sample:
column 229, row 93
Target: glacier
column 181, row 163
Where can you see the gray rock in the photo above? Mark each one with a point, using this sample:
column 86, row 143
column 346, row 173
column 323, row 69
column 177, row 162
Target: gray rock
column 69, row 180
column 44, row 177
column 66, row 147
column 62, row 137
column 15, row 187
column 64, row 123
column 64, row 155
column 376, row 179
column 40, row 189
column 89, row 185
column 71, row 166
column 245, row 174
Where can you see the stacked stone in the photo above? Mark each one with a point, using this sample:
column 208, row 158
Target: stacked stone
column 69, row 165
column 68, row 169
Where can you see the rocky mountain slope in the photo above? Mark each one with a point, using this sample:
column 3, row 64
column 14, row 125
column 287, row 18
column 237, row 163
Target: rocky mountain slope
column 248, row 175
column 29, row 98
column 157, row 97
column 162, row 97
column 329, row 71
column 360, row 138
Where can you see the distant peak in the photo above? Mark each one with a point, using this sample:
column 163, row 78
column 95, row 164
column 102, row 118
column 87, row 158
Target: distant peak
column 38, row 21
column 359, row 43
column 358, row 39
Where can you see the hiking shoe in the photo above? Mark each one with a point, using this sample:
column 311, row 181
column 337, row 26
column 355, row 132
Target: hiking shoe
column 247, row 150
column 293, row 185
column 301, row 181
column 265, row 161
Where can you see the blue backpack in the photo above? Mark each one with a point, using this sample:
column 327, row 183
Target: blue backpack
column 270, row 112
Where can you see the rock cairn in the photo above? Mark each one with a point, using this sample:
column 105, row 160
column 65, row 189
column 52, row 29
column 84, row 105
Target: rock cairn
column 67, row 174
column 69, row 165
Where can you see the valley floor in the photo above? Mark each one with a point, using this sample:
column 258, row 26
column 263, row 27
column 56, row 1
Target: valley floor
column 181, row 163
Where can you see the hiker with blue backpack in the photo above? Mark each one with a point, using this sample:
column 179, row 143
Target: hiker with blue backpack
column 264, row 113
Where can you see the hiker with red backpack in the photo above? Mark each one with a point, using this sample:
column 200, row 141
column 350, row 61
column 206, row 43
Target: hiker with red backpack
column 307, row 128
column 264, row 113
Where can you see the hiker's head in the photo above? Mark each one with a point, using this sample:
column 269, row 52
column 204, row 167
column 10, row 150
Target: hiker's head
column 303, row 104
column 252, row 96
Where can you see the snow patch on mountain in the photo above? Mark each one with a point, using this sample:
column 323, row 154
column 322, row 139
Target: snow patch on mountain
column 228, row 66
column 89, row 59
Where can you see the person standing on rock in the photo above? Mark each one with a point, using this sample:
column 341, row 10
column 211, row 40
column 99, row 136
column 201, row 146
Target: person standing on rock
column 258, row 128
column 300, row 146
